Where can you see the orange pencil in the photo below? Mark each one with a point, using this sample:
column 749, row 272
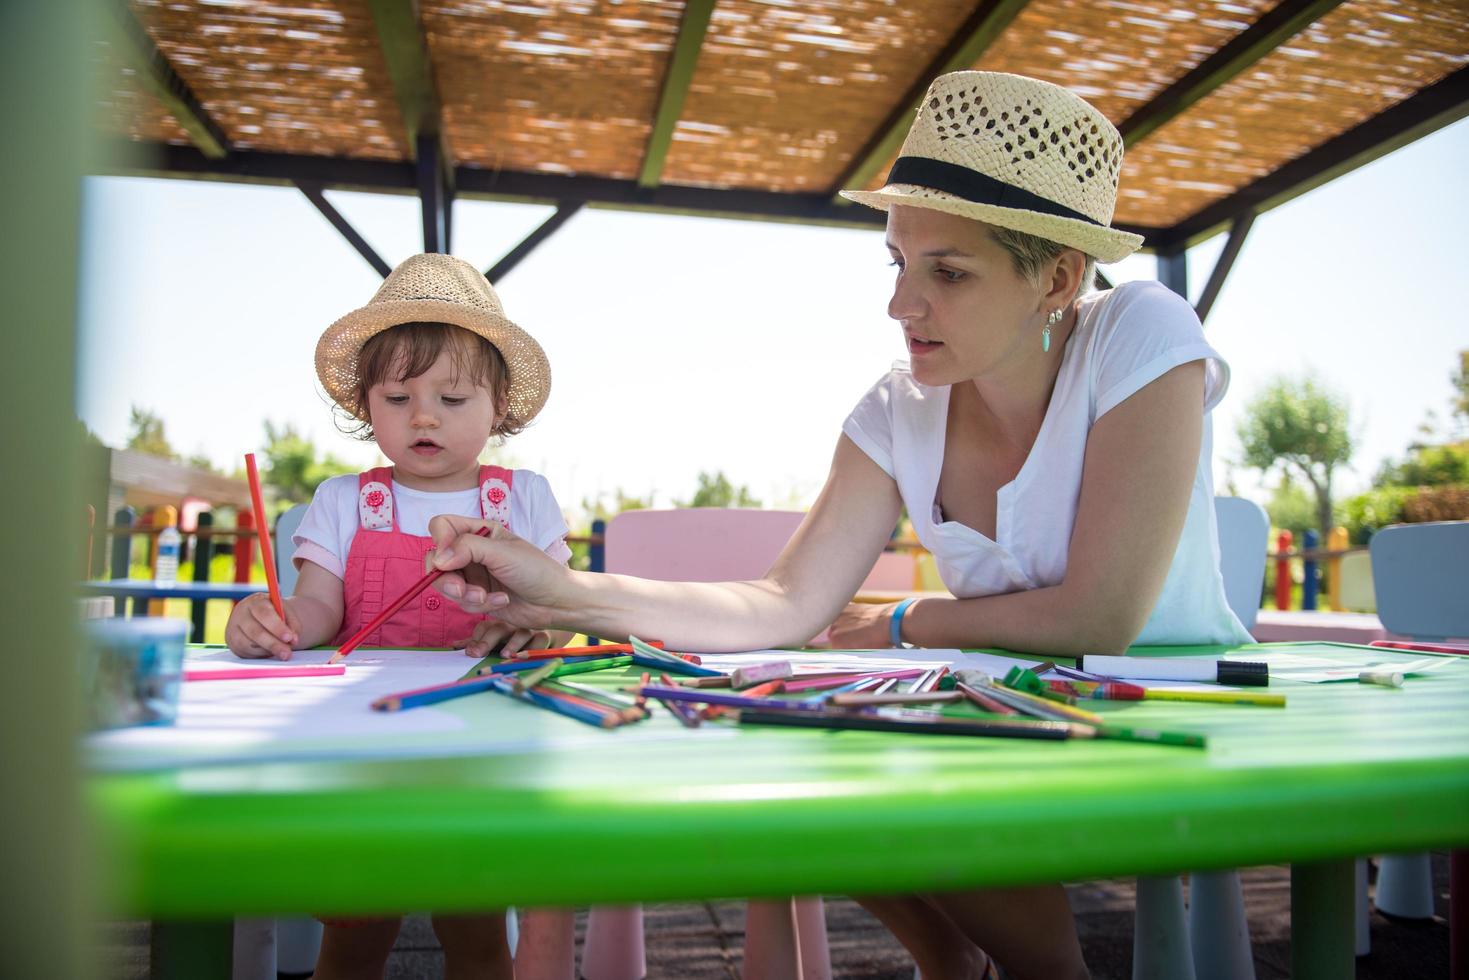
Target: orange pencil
column 267, row 558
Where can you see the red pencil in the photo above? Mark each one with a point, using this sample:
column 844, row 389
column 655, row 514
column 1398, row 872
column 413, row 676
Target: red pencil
column 267, row 557
column 392, row 608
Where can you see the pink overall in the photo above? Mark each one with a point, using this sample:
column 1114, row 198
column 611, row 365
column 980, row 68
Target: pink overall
column 383, row 562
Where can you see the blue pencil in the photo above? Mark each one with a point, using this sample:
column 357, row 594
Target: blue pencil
column 432, row 695
column 673, row 665
column 730, row 700
column 562, row 707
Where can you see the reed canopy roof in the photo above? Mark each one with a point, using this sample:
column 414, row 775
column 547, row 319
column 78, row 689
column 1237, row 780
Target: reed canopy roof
column 763, row 108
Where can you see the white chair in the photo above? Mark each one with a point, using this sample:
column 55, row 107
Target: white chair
column 704, row 544
column 1419, row 573
column 284, row 549
column 1214, row 942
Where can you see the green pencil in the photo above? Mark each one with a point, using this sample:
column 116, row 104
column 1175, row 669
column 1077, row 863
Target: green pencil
column 1187, row 739
column 527, row 679
column 587, row 665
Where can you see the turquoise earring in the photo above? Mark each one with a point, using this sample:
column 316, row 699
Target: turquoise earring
column 1051, row 320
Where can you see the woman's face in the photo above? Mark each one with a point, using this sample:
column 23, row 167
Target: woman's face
column 966, row 313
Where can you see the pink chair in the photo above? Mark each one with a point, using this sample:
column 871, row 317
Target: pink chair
column 706, row 544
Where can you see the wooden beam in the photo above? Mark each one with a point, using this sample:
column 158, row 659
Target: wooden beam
column 1225, row 263
column 1274, row 28
column 964, row 49
column 681, row 63
column 314, row 195
column 435, row 193
column 157, row 76
column 1444, row 102
column 564, row 212
column 405, row 51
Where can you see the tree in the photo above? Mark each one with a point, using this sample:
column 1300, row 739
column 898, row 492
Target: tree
column 715, row 490
column 1460, row 378
column 1303, row 426
column 147, row 434
column 291, row 466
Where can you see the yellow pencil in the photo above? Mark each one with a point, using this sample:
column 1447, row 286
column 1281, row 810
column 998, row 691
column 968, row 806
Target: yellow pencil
column 1217, row 697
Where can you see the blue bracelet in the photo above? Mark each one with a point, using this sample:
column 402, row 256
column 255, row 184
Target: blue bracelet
column 895, row 625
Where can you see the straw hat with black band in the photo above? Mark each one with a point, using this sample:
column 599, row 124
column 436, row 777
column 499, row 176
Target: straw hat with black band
column 1013, row 152
column 435, row 288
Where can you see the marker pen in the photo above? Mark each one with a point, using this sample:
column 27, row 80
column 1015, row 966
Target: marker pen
column 1243, row 673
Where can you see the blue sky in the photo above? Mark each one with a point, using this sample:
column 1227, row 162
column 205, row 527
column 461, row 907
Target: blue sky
column 684, row 344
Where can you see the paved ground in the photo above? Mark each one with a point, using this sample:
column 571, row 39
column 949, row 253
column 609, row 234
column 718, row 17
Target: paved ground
column 702, row 941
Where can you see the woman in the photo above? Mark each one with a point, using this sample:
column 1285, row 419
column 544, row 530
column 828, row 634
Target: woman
column 1049, row 446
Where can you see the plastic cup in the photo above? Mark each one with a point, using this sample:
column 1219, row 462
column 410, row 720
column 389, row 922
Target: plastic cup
column 131, row 670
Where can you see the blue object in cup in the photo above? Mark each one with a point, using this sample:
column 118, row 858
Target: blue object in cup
column 131, row 670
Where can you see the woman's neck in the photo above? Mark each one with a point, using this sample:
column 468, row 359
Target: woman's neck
column 1017, row 396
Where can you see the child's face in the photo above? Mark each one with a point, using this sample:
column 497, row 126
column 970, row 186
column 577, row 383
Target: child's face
column 434, row 426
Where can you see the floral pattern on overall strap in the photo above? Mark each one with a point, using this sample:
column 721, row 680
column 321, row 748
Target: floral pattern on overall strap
column 375, row 506
column 494, row 500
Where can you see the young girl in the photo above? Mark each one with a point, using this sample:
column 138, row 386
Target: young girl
column 430, row 369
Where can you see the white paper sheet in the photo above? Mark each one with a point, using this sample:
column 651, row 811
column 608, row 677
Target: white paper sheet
column 301, row 718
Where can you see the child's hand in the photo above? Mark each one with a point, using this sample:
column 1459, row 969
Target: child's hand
column 255, row 631
column 492, row 633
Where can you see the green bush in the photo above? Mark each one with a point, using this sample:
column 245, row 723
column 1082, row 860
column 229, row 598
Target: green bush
column 1375, row 509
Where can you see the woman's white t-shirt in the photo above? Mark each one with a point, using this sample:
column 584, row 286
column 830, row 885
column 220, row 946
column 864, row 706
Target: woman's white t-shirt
column 1124, row 338
column 326, row 531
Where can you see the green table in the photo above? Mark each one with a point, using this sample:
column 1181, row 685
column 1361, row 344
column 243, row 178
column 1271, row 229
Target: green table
column 1347, row 769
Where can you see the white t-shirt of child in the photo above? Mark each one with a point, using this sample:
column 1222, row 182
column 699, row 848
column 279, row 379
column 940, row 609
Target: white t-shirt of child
column 325, row 533
column 1124, row 338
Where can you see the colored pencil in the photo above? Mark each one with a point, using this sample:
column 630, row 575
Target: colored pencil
column 262, row 531
column 939, row 725
column 598, row 663
column 983, row 701
column 711, row 711
column 674, row 665
column 600, row 719
column 527, row 679
column 861, row 700
column 601, row 650
column 808, row 683
column 685, row 713
column 621, row 714
column 434, row 694
column 823, row 696
column 256, row 673
column 1127, row 734
column 732, row 700
column 1458, row 651
column 388, row 612
column 1216, row 697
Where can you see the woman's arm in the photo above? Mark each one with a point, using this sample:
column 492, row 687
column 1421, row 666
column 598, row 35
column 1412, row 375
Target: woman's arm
column 1141, row 458
column 819, row 570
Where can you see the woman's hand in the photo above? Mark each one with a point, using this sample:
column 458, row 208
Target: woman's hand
column 254, row 631
column 863, row 626
column 492, row 634
column 501, row 574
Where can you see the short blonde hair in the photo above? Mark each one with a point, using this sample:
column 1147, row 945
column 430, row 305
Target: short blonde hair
column 1029, row 252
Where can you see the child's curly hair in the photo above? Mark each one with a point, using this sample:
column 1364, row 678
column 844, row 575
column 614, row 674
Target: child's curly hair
column 410, row 349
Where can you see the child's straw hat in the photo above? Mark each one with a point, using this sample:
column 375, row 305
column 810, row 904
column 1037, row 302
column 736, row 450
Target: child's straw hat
column 436, row 289
column 1014, row 152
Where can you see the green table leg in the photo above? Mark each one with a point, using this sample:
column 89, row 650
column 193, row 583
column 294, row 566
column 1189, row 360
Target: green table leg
column 191, row 950
column 1321, row 923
